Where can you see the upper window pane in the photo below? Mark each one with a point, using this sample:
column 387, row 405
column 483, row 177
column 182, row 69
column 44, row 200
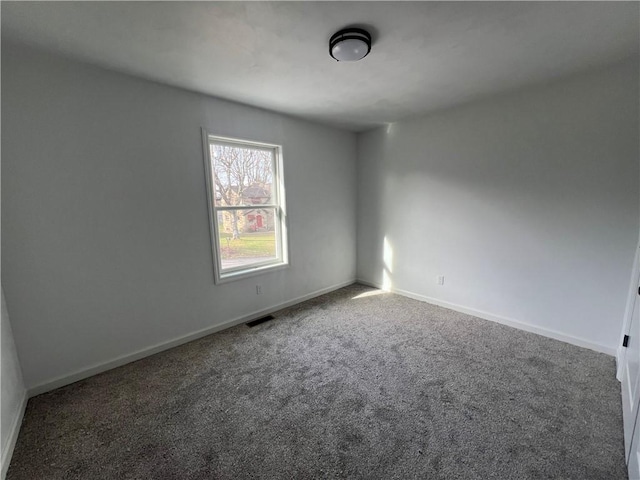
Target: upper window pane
column 242, row 176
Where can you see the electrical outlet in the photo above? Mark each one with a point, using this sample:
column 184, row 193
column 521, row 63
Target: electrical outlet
column 258, row 289
column 440, row 279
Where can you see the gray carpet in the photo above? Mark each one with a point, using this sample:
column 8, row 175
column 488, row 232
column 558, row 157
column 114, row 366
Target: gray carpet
column 348, row 385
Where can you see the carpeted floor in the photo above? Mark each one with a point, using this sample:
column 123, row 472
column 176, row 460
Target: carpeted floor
column 353, row 384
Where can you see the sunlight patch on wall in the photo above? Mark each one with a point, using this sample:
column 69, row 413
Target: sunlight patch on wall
column 390, row 128
column 387, row 267
column 387, row 255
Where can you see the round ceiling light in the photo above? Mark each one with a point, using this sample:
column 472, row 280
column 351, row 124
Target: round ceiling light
column 350, row 45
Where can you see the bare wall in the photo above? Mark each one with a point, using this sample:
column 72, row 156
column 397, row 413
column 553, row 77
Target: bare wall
column 106, row 247
column 14, row 394
column 526, row 202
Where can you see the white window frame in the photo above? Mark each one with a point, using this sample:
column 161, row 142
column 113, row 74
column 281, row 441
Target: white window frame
column 277, row 203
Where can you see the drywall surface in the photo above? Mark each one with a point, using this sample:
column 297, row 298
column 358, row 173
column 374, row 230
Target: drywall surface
column 106, row 245
column 527, row 204
column 13, row 391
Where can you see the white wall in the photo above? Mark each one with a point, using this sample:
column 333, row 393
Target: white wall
column 14, row 395
column 106, row 247
column 527, row 203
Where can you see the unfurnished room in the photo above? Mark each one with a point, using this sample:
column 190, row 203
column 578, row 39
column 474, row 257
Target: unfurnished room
column 300, row 240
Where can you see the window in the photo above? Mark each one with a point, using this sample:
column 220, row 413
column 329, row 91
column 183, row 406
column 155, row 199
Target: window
column 246, row 206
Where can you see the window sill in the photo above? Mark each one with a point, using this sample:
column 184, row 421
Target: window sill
column 249, row 272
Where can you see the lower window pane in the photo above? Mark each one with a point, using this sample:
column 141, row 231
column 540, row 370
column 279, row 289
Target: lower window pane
column 247, row 237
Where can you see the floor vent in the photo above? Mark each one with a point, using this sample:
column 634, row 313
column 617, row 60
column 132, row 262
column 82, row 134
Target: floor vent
column 259, row 321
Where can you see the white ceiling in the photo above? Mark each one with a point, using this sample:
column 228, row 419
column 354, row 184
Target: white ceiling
column 425, row 56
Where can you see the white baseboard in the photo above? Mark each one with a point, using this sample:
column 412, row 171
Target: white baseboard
column 132, row 357
column 545, row 332
column 7, row 450
column 145, row 352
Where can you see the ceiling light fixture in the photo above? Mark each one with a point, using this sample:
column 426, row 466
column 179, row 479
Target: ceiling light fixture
column 350, row 45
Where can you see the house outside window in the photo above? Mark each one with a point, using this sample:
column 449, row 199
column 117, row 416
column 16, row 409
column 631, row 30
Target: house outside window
column 246, row 198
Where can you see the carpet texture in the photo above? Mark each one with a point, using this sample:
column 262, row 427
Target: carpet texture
column 353, row 384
